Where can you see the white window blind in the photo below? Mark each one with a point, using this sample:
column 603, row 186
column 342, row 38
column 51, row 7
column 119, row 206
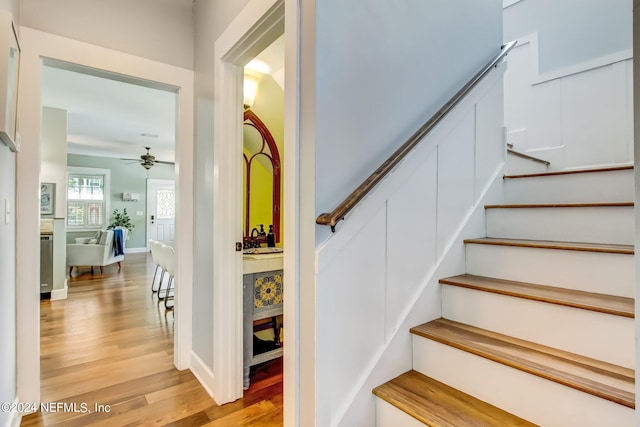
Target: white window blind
column 86, row 199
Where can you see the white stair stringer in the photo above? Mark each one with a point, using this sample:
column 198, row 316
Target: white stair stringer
column 603, row 273
column 528, row 396
column 601, row 336
column 611, row 186
column 588, row 224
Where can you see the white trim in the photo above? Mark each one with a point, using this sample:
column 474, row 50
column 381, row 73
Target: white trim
column 202, row 372
column 299, row 214
column 532, row 40
column 509, row 3
column 353, row 224
column 36, row 47
column 59, row 294
column 135, row 250
column 15, row 417
column 255, row 27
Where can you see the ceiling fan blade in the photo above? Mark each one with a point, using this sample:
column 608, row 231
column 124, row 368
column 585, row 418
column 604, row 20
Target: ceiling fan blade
column 166, row 163
column 133, row 160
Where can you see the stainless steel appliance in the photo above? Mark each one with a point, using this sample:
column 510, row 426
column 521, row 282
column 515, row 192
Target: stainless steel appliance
column 46, row 263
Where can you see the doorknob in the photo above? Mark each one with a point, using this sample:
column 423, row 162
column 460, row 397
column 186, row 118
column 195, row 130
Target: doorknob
column 152, row 218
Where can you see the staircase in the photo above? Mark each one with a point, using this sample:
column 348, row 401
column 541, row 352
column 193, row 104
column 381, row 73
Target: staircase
column 540, row 330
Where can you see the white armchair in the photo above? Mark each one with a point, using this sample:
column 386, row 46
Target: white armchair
column 99, row 254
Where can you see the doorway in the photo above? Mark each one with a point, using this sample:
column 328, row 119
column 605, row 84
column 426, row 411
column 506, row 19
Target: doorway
column 259, row 24
column 44, row 47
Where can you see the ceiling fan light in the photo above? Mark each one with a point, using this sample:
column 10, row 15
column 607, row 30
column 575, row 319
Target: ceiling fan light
column 147, row 165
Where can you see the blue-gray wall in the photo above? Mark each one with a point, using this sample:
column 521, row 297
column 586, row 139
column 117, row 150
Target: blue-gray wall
column 571, row 31
column 211, row 19
column 383, row 68
column 125, row 178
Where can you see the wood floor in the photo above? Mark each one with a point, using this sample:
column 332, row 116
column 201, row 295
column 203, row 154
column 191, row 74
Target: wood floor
column 107, row 359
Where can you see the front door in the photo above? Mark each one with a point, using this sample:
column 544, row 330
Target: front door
column 161, row 207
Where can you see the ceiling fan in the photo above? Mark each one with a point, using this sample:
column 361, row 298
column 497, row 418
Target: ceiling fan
column 147, row 160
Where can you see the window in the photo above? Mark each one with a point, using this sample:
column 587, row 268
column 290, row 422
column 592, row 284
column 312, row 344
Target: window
column 87, row 198
column 165, row 203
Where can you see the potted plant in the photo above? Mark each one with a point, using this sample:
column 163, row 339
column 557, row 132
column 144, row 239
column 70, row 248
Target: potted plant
column 122, row 220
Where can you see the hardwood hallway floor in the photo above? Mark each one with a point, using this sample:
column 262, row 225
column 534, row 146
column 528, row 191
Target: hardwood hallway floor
column 109, row 347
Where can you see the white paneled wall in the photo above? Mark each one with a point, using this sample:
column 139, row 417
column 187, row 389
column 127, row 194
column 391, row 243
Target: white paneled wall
column 577, row 117
column 388, row 254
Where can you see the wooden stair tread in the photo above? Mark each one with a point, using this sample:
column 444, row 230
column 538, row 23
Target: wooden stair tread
column 547, row 244
column 570, row 172
column 605, row 380
column 609, row 304
column 561, row 205
column 438, row 405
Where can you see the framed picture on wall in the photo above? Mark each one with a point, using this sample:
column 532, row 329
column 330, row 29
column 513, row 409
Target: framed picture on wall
column 47, row 198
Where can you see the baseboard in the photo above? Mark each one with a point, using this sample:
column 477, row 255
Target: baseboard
column 203, row 374
column 135, row 250
column 58, row 294
column 15, row 417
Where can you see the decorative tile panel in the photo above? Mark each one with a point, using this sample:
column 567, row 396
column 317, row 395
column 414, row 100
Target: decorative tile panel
column 268, row 290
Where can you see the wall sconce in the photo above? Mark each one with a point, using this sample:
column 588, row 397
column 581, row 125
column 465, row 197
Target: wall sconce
column 250, row 88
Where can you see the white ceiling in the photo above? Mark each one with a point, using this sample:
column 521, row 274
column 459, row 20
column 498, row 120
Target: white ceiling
column 109, row 117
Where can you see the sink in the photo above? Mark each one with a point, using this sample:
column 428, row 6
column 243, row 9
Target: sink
column 263, row 251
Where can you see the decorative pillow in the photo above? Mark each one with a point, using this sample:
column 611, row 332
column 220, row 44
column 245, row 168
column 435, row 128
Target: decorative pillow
column 103, row 237
column 92, row 241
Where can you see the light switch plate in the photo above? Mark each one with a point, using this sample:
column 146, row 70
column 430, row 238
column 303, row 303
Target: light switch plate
column 7, row 212
column 139, row 213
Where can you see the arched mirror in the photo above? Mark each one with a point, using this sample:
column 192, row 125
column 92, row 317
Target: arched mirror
column 262, row 177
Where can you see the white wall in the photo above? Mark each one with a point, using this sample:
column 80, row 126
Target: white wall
column 378, row 275
column 569, row 84
column 8, row 281
column 161, row 30
column 54, row 155
column 211, row 18
column 8, row 331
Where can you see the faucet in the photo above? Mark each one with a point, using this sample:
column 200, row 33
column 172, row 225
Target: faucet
column 255, row 242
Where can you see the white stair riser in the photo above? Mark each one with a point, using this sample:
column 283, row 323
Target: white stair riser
column 388, row 415
column 543, row 402
column 597, row 335
column 602, row 273
column 518, row 165
column 574, row 188
column 584, row 224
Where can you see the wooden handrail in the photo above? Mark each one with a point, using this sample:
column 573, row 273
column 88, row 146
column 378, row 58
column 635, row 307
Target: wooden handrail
column 338, row 214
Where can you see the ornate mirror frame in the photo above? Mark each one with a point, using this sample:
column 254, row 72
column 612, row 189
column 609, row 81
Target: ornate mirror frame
column 269, row 149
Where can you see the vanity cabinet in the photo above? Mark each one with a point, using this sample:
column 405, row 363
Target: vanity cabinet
column 262, row 295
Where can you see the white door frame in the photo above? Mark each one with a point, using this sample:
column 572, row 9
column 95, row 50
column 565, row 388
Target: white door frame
column 257, row 26
column 36, row 46
column 150, row 182
column 252, row 30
